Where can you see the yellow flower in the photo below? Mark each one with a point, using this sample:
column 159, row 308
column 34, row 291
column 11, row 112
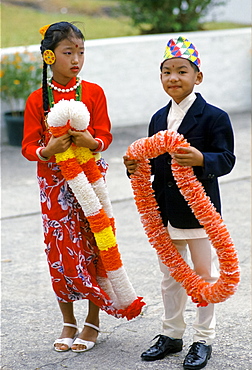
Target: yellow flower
column 83, row 154
column 43, row 30
column 16, row 82
column 1, row 74
column 31, row 57
column 105, row 239
column 68, row 154
column 18, row 59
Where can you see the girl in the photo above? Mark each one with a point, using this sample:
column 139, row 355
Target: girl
column 70, row 244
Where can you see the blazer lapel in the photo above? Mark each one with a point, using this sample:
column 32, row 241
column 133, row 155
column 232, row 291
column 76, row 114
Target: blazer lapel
column 161, row 122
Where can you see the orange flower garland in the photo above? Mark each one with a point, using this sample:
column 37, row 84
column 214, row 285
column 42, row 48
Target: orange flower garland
column 78, row 166
column 200, row 291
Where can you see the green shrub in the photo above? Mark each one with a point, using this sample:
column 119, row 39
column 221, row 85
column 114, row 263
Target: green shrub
column 21, row 74
column 162, row 16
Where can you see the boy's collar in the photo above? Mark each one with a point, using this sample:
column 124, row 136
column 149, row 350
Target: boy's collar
column 187, row 101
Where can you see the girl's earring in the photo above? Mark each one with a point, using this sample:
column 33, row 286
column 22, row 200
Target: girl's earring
column 49, row 57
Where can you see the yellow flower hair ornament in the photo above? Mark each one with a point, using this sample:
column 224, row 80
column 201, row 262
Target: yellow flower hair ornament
column 43, row 30
column 79, row 168
column 200, row 291
column 49, row 57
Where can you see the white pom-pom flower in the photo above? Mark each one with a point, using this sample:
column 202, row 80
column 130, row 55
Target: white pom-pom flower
column 78, row 114
column 72, row 110
column 59, row 114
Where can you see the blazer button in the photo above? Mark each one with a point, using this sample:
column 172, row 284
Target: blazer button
column 170, row 184
column 211, row 176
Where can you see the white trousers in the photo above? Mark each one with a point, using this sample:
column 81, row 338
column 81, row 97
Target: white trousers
column 205, row 264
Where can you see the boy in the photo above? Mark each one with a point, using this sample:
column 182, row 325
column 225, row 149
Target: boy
column 209, row 132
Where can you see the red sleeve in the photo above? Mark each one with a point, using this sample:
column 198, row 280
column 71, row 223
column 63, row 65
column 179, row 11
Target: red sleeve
column 99, row 126
column 34, row 129
column 33, row 126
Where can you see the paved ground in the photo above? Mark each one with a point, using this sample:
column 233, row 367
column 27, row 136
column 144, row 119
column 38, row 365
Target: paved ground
column 31, row 319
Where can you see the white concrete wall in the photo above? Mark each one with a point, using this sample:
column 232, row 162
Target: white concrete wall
column 128, row 70
column 238, row 11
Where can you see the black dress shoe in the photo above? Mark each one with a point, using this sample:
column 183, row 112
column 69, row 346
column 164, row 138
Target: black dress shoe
column 197, row 356
column 162, row 348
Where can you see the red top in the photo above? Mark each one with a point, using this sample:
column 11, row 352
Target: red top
column 34, row 128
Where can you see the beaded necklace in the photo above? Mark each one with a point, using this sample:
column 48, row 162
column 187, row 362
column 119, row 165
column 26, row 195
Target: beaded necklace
column 51, row 87
column 78, row 81
column 77, row 87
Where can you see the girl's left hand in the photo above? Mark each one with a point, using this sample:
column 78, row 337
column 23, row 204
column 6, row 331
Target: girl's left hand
column 189, row 157
column 83, row 139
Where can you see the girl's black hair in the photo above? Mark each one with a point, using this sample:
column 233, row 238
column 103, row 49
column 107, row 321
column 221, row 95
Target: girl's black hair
column 55, row 33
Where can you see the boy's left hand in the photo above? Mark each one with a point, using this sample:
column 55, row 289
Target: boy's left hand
column 83, row 139
column 189, row 157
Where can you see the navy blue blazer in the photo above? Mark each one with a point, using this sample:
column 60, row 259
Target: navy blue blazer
column 208, row 129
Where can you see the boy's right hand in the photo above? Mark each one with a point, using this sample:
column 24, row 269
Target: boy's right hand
column 130, row 164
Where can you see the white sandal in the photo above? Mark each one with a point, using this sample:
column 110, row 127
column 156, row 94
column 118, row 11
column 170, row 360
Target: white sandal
column 86, row 343
column 67, row 341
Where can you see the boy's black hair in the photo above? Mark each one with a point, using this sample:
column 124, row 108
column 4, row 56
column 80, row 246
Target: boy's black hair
column 56, row 33
column 196, row 68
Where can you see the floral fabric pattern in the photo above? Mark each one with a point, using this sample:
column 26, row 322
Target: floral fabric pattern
column 72, row 254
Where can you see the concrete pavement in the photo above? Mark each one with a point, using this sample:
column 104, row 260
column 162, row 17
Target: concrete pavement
column 31, row 320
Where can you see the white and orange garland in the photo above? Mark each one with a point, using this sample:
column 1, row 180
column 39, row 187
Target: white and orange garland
column 78, row 166
column 200, row 291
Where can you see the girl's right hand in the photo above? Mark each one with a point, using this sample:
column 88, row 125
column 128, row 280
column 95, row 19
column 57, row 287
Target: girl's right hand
column 130, row 164
column 56, row 145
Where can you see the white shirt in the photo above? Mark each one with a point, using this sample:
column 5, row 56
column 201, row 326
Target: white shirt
column 178, row 111
column 176, row 114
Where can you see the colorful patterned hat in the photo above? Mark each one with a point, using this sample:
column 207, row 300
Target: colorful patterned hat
column 181, row 48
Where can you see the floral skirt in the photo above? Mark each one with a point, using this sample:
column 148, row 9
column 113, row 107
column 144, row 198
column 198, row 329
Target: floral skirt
column 72, row 254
